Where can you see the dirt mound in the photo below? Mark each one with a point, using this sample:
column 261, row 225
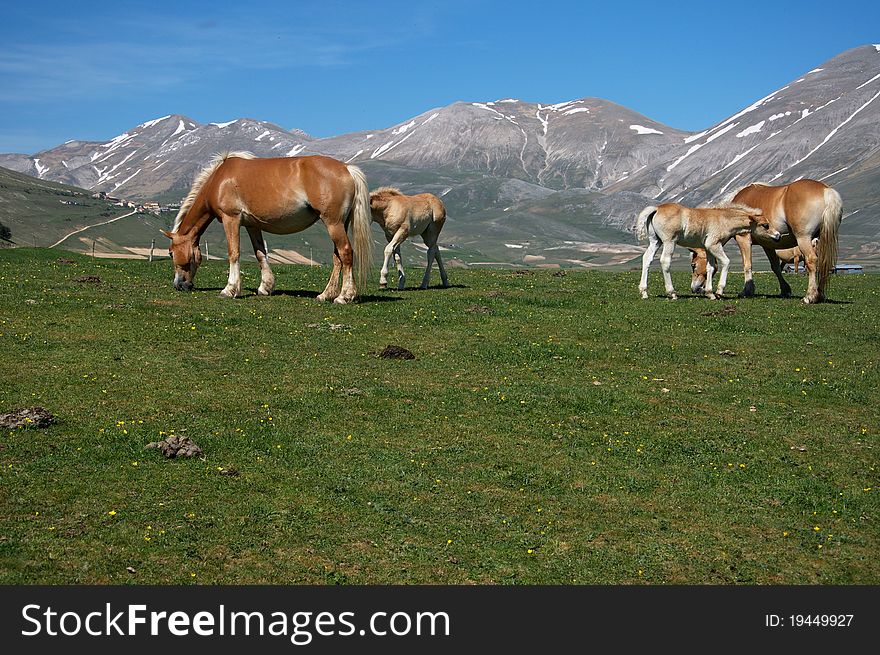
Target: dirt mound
column 88, row 279
column 478, row 309
column 727, row 309
column 174, row 446
column 396, row 352
column 28, row 417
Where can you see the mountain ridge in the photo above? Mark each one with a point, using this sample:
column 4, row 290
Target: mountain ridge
column 499, row 160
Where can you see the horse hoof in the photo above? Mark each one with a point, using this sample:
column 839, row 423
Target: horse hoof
column 809, row 301
column 323, row 297
column 227, row 293
column 383, row 285
column 339, row 300
column 644, row 295
column 264, row 292
column 672, row 296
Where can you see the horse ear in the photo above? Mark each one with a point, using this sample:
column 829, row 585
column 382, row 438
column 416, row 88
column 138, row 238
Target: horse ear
column 167, row 234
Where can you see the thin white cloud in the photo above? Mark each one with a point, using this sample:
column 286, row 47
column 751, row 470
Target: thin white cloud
column 130, row 54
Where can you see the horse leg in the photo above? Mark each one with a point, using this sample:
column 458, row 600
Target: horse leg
column 776, row 265
column 331, row 291
column 393, row 244
column 744, row 243
column 441, row 267
column 719, row 254
column 342, row 251
column 430, row 237
column 711, row 267
column 647, row 258
column 267, row 278
column 665, row 264
column 810, row 260
column 822, row 280
column 232, row 228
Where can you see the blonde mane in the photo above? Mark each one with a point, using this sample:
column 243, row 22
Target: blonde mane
column 738, row 206
column 200, row 180
column 385, row 191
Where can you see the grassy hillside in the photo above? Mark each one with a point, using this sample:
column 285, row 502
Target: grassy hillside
column 551, row 429
column 41, row 212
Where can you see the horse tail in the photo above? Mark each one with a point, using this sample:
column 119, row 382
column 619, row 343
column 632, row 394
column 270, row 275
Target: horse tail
column 203, row 176
column 646, row 215
column 361, row 220
column 826, row 251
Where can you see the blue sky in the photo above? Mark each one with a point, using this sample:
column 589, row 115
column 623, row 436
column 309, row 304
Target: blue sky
column 90, row 71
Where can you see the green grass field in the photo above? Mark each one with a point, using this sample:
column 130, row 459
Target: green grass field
column 552, row 429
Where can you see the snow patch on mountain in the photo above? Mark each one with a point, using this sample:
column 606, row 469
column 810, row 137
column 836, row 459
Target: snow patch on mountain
column 877, row 76
column 693, row 149
column 641, row 129
column 831, row 134
column 403, row 128
column 153, row 122
column 119, row 184
column 389, row 146
column 752, row 129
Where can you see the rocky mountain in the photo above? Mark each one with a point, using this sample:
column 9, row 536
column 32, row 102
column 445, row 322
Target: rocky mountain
column 586, row 143
column 819, row 125
column 157, row 159
column 528, row 173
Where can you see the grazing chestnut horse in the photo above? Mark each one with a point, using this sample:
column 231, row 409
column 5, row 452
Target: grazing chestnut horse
column 279, row 195
column 808, row 214
column 402, row 216
column 704, row 227
column 698, row 263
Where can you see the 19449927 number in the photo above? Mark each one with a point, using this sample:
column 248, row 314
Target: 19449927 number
column 808, row 620
column 820, row 620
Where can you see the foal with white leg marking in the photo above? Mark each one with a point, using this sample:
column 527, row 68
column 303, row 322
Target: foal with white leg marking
column 702, row 227
column 402, row 216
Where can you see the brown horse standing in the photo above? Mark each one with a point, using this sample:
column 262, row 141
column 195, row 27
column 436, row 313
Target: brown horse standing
column 402, row 216
column 279, row 195
column 808, row 214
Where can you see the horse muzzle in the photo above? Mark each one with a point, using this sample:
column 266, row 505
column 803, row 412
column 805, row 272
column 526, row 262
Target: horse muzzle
column 183, row 285
column 776, row 236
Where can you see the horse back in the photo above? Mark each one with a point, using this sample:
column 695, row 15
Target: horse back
column 799, row 204
column 273, row 186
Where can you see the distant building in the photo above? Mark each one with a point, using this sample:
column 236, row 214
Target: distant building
column 840, row 268
column 848, row 268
